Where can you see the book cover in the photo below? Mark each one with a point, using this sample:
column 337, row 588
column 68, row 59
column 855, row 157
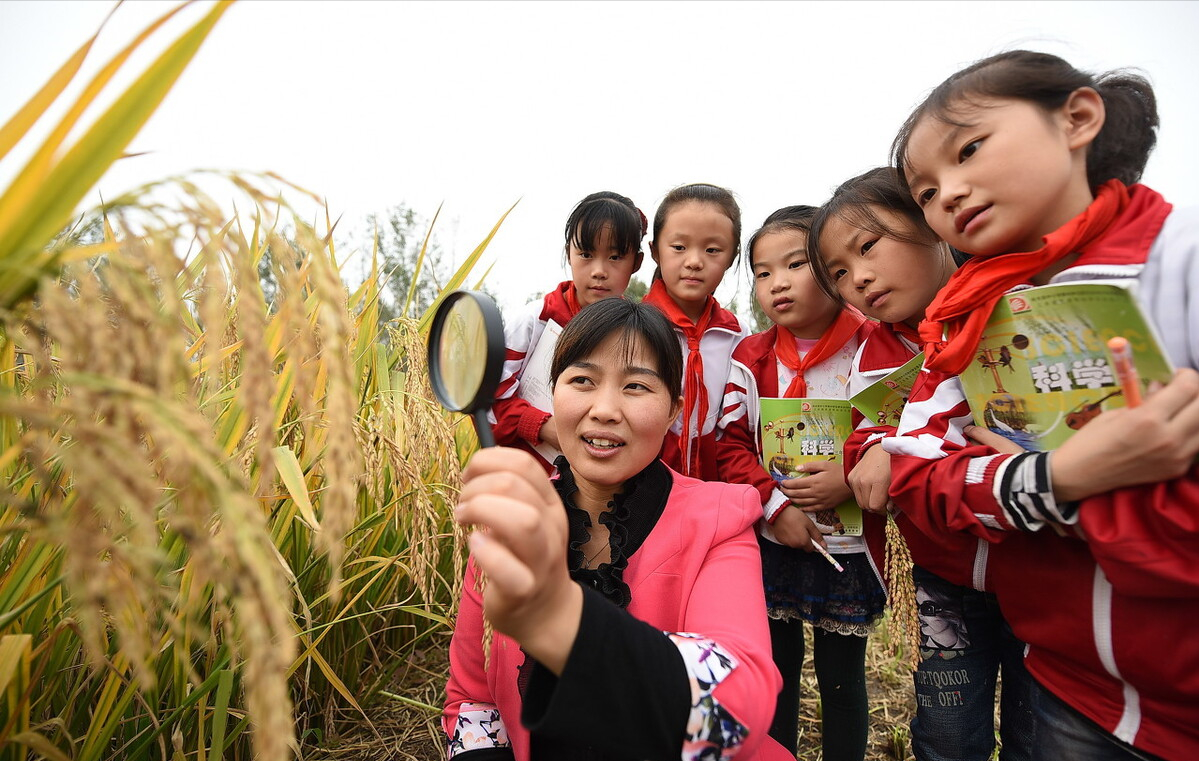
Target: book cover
column 796, row 431
column 1042, row 369
column 535, row 387
column 882, row 401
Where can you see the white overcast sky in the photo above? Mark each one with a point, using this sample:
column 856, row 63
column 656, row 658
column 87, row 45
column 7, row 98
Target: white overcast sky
column 481, row 104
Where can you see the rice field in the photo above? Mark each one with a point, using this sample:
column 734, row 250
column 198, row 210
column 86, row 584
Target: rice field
column 226, row 530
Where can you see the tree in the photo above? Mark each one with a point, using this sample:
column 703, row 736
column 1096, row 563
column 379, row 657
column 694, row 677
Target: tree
column 760, row 321
column 636, row 290
column 396, row 236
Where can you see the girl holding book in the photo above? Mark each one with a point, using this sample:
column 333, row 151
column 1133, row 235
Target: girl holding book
column 1032, row 167
column 697, row 236
column 807, row 353
column 871, row 248
column 603, row 250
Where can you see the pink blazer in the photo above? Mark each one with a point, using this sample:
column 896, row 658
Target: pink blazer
column 698, row 573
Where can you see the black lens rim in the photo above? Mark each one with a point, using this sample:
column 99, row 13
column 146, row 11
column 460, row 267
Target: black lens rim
column 493, row 326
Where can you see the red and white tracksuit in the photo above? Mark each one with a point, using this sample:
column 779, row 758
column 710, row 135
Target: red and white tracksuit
column 1105, row 591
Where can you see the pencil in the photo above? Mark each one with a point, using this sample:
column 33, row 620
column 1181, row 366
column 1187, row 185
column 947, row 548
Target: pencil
column 1126, row 370
column 828, row 557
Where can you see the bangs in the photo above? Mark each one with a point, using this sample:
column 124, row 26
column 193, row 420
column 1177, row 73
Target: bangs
column 635, row 339
column 623, row 223
column 638, row 328
column 866, row 217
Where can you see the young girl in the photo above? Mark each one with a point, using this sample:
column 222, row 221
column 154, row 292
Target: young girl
column 871, row 247
column 807, row 353
column 603, row 250
column 1029, row 165
column 697, row 235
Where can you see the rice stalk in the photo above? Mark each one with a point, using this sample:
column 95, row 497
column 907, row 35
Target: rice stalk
column 127, row 400
column 903, row 624
column 177, row 592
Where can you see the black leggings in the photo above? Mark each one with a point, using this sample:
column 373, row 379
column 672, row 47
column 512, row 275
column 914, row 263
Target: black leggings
column 840, row 662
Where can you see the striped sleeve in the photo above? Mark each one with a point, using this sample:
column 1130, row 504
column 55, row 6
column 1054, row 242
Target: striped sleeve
column 512, row 418
column 738, row 449
column 938, row 478
column 1023, row 488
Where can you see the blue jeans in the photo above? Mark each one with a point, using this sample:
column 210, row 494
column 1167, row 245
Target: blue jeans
column 1064, row 734
column 965, row 644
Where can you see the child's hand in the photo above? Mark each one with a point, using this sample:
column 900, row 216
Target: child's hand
column 1154, row 442
column 988, row 438
column 549, row 434
column 520, row 543
column 795, row 529
column 822, row 489
column 870, row 479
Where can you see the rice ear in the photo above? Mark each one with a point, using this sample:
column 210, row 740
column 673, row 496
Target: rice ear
column 903, row 625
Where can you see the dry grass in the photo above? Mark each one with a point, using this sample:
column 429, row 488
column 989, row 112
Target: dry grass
column 413, row 734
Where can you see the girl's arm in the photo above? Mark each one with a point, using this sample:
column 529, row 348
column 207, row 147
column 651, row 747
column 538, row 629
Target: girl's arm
column 940, row 479
column 738, row 458
column 517, row 420
column 739, row 462
column 1143, row 536
column 868, row 466
column 513, row 418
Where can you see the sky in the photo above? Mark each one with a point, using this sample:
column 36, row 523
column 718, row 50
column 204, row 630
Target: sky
column 477, row 106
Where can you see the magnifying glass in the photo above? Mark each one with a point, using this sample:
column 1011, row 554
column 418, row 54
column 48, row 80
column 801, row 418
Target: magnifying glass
column 466, row 355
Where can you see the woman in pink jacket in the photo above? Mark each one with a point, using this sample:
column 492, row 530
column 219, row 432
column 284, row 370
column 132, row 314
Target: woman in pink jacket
column 626, row 599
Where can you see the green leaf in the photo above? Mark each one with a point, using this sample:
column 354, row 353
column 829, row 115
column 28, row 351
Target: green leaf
column 293, row 478
column 31, row 216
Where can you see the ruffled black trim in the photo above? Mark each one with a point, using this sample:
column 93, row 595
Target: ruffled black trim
column 631, row 516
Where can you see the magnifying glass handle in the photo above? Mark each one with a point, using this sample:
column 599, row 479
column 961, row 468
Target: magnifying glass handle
column 483, row 428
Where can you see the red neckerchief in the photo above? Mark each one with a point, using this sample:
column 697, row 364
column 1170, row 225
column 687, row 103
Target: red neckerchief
column 561, row 304
column 837, row 335
column 955, row 319
column 695, row 394
column 1128, row 240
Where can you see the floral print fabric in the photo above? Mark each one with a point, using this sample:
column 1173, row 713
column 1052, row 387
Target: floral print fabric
column 478, row 726
column 712, row 732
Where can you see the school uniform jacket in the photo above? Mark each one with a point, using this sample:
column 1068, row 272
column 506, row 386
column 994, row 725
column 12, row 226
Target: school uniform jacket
column 1109, row 619
column 959, row 559
column 695, row 591
column 516, row 422
column 716, row 347
column 757, row 373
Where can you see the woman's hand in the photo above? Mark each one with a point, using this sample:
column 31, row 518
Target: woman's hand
column 795, row 529
column 822, row 489
column 520, row 543
column 1154, row 442
column 870, row 479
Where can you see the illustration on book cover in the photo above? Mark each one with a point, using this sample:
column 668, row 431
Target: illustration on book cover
column 795, row 431
column 1042, row 369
